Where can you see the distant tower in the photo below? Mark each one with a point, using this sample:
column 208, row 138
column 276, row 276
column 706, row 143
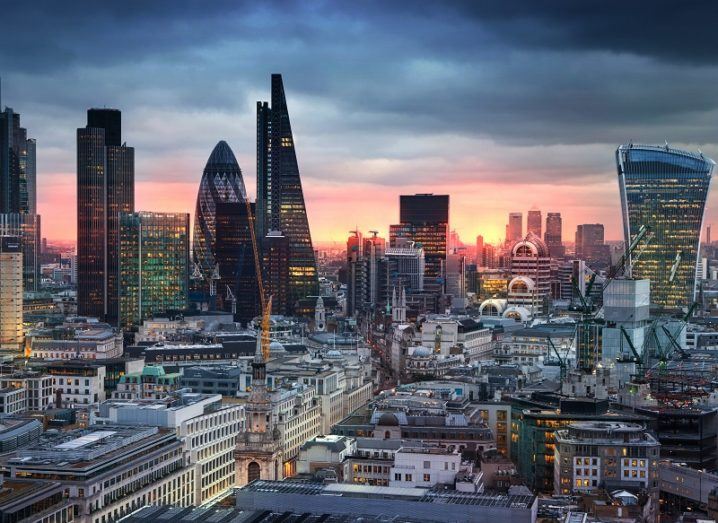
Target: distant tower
column 259, row 453
column 320, row 321
column 533, row 222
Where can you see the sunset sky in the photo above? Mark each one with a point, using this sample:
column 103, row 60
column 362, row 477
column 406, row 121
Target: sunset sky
column 504, row 108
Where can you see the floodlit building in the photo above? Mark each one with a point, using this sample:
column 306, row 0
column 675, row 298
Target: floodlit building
column 665, row 189
column 11, row 314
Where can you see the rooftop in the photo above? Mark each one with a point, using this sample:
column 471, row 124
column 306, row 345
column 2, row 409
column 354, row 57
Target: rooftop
column 420, row 495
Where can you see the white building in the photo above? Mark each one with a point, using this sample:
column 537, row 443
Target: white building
column 80, row 386
column 206, row 427
column 427, row 466
column 38, row 393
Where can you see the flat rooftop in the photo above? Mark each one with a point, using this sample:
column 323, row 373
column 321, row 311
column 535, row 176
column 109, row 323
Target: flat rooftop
column 419, row 495
column 83, row 445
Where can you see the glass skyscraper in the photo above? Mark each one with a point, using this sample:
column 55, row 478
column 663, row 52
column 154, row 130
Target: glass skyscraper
column 105, row 188
column 153, row 265
column 27, row 228
column 666, row 190
column 221, row 182
column 280, row 199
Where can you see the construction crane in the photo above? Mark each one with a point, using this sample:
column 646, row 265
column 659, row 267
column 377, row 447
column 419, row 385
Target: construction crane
column 674, row 267
column 561, row 361
column 635, row 357
column 266, row 302
column 232, row 298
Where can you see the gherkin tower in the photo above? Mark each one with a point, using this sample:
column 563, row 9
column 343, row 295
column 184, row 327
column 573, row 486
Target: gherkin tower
column 221, row 183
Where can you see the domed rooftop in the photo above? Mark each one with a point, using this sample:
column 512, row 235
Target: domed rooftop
column 388, row 420
column 422, row 352
column 222, row 154
column 531, row 245
column 275, row 348
column 333, row 355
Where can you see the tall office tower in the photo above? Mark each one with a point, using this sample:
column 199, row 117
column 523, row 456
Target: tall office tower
column 533, row 222
column 666, row 190
column 514, row 229
column 552, row 236
column 275, row 270
column 27, row 228
column 374, row 249
column 479, row 251
column 237, row 288
column 17, row 166
column 280, row 200
column 406, row 266
column 221, row 182
column 11, row 333
column 355, row 245
column 424, row 220
column 531, row 273
column 590, row 245
column 488, row 257
column 456, row 278
column 153, row 265
column 105, row 188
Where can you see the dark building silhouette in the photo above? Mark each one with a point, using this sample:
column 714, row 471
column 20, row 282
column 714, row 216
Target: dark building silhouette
column 552, row 236
column 590, row 244
column 275, row 266
column 234, row 255
column 425, row 221
column 105, row 188
column 280, row 199
column 17, row 166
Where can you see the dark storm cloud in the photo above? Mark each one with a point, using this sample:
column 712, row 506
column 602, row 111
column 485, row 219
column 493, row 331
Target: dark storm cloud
column 390, row 80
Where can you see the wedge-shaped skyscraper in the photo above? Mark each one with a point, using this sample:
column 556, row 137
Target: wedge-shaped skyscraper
column 280, row 200
column 665, row 189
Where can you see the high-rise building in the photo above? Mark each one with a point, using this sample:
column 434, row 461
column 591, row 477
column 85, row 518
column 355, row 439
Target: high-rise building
column 552, row 236
column 221, row 182
column 237, row 288
column 280, row 199
column 406, row 268
column 533, row 222
column 105, row 188
column 515, row 228
column 153, row 265
column 665, row 189
column 479, row 251
column 11, row 331
column 590, row 244
column 275, row 270
column 424, row 220
column 17, row 166
column 27, row 228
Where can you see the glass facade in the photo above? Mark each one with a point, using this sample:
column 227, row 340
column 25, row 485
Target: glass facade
column 221, row 182
column 425, row 221
column 27, row 228
column 666, row 190
column 105, row 188
column 153, row 265
column 280, row 199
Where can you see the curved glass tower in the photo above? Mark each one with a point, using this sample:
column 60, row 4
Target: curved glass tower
column 221, row 183
column 666, row 190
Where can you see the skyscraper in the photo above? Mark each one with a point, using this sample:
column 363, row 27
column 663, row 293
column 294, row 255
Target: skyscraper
column 479, row 251
column 514, row 229
column 105, row 188
column 424, row 220
column 280, row 199
column 533, row 222
column 552, row 236
column 27, row 228
column 11, row 333
column 153, row 265
column 666, row 190
column 17, row 166
column 237, row 288
column 221, row 183
column 590, row 244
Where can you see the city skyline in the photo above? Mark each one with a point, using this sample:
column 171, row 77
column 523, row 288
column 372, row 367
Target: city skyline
column 361, row 142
